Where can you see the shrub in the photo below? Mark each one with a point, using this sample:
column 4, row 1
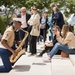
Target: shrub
column 2, row 25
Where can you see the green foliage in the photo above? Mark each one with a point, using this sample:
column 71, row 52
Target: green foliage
column 67, row 5
column 39, row 3
column 70, row 5
column 2, row 25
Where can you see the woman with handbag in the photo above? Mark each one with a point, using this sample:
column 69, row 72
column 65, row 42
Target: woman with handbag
column 43, row 25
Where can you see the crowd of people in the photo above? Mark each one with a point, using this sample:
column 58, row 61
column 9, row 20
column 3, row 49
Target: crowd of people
column 62, row 37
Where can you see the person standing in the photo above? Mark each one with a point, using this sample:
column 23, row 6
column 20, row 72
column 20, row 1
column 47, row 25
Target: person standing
column 25, row 17
column 57, row 17
column 71, row 21
column 34, row 21
column 50, row 23
column 43, row 25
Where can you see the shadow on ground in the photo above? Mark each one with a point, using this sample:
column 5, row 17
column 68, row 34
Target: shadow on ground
column 38, row 64
column 22, row 68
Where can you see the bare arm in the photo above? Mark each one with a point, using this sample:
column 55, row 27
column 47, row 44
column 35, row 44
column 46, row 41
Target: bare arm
column 49, row 45
column 4, row 43
column 68, row 38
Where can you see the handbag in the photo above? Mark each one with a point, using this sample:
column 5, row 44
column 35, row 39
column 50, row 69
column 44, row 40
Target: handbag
column 42, row 26
column 29, row 28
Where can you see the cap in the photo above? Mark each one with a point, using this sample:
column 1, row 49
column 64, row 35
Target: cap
column 18, row 20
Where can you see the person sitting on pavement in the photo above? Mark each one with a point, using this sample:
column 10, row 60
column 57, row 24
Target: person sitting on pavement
column 66, row 42
column 49, row 46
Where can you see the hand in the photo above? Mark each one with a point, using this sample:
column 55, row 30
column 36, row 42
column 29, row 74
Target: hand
column 57, row 33
column 47, row 45
column 15, row 53
column 28, row 22
column 38, row 27
column 18, row 42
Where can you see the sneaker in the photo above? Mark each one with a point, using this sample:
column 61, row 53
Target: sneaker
column 46, row 58
column 39, row 56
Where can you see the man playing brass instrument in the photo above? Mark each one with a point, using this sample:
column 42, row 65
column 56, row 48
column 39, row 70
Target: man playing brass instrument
column 6, row 45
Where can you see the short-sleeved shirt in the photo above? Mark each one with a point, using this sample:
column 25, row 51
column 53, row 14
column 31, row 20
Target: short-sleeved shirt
column 9, row 36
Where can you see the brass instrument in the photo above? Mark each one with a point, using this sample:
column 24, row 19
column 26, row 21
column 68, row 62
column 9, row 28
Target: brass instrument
column 20, row 52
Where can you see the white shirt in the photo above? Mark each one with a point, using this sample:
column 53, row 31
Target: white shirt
column 24, row 24
column 43, row 20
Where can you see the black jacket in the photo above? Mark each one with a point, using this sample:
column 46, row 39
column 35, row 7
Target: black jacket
column 27, row 17
column 58, row 19
column 54, row 40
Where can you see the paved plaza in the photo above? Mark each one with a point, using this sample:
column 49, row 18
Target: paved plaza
column 37, row 66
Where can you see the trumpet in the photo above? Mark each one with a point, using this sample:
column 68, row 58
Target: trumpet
column 20, row 52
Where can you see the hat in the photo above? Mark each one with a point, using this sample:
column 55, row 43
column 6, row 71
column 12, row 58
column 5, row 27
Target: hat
column 18, row 20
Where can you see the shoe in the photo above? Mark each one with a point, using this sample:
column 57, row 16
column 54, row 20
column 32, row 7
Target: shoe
column 46, row 58
column 12, row 64
column 39, row 56
column 31, row 55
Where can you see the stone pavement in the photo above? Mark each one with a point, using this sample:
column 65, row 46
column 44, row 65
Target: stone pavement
column 37, row 66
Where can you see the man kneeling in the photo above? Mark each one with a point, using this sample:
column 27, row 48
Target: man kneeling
column 6, row 46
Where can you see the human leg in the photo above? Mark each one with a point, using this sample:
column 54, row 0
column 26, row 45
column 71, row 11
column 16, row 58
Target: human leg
column 6, row 62
column 60, row 47
column 44, row 34
column 45, row 50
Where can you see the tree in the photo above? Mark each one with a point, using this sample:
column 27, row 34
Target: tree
column 2, row 25
column 67, row 5
column 70, row 7
column 10, row 6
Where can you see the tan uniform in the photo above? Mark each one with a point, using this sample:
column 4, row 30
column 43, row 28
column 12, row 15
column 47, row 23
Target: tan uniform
column 8, row 36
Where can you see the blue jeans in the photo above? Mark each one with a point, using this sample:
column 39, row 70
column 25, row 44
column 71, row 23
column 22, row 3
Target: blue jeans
column 64, row 48
column 52, row 37
column 5, row 54
column 7, row 66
